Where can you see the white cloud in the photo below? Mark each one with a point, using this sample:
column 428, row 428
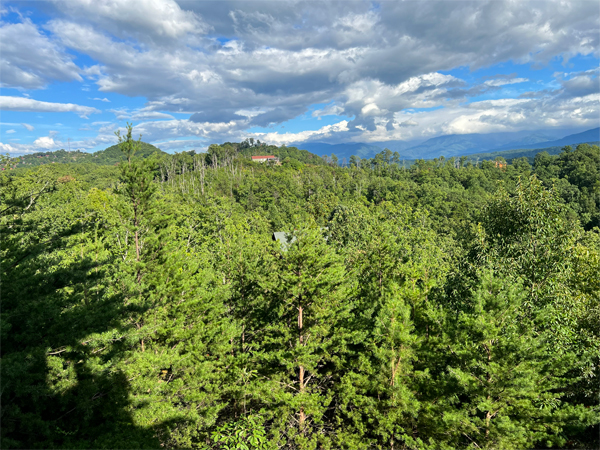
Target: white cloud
column 139, row 114
column 7, row 148
column 102, row 100
column 492, row 116
column 329, row 110
column 8, row 103
column 408, row 123
column 10, row 131
column 29, row 127
column 251, row 113
column 105, row 138
column 154, row 19
column 362, row 23
column 180, row 145
column 145, row 115
column 504, row 81
column 163, row 129
column 31, row 60
column 45, row 142
column 287, row 138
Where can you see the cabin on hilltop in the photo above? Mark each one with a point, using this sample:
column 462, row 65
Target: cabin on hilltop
column 262, row 159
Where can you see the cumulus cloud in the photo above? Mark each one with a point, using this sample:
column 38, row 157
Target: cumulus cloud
column 104, row 138
column 31, row 60
column 492, row 116
column 284, row 58
column 408, row 123
column 288, row 138
column 102, row 99
column 46, row 143
column 7, row 148
column 579, row 84
column 329, row 110
column 9, row 103
column 369, row 100
column 145, row 19
column 234, row 65
column 165, row 129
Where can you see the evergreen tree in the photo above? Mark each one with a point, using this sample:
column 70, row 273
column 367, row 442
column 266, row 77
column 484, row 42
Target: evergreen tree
column 296, row 342
column 503, row 386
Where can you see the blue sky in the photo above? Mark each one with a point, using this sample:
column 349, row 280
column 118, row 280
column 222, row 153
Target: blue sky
column 191, row 73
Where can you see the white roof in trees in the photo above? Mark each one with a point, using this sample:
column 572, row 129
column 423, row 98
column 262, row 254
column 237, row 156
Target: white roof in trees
column 285, row 239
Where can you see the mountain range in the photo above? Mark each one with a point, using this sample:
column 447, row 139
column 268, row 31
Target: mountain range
column 453, row 144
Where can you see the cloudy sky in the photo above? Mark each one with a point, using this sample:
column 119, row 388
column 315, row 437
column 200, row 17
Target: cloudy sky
column 191, row 73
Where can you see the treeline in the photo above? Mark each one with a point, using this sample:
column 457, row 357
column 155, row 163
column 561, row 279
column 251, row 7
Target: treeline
column 441, row 305
column 109, row 156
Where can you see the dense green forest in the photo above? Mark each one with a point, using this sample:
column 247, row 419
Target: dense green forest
column 442, row 305
column 509, row 155
column 113, row 155
column 110, row 156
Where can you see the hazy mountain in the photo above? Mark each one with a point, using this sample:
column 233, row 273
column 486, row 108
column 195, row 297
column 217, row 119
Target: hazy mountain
column 592, row 135
column 359, row 149
column 398, row 146
column 447, row 146
column 533, row 139
column 510, row 155
column 465, row 144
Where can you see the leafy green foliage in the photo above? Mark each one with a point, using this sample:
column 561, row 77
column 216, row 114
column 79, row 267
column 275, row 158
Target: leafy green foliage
column 245, row 434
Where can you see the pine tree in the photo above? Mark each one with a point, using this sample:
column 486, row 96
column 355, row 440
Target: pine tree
column 503, row 386
column 300, row 300
column 392, row 269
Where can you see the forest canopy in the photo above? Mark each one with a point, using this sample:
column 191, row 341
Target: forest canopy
column 445, row 304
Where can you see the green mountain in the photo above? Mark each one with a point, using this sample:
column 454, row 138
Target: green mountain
column 110, row 156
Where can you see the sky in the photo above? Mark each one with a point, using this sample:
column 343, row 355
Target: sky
column 188, row 74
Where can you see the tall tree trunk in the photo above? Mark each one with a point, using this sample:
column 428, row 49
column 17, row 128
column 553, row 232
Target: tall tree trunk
column 301, row 369
column 137, row 243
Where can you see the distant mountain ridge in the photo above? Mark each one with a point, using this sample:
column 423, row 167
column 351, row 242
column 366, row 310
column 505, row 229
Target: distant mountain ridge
column 342, row 151
column 510, row 155
column 465, row 144
column 592, row 135
column 453, row 145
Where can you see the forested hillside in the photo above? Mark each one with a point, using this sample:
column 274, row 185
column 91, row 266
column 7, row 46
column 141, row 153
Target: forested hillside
column 509, row 155
column 110, row 156
column 441, row 305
